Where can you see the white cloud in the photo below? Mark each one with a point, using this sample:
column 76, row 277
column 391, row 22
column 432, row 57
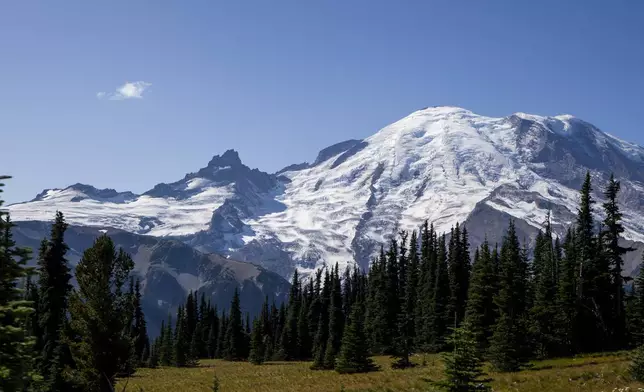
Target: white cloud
column 129, row 90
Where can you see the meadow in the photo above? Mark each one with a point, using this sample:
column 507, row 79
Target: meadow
column 592, row 373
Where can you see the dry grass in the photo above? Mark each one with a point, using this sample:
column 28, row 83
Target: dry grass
column 590, row 373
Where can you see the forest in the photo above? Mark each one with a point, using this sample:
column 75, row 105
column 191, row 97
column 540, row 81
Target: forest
column 503, row 305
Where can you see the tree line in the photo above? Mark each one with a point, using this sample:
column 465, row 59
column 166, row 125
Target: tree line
column 425, row 292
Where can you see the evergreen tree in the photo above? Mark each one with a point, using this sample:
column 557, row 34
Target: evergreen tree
column 166, row 354
column 221, row 339
column 234, row 332
column 613, row 229
column 153, row 358
column 335, row 322
column 54, row 280
column 181, row 339
column 427, row 280
column 459, row 273
column 439, row 321
column 213, row 334
column 392, row 297
column 464, row 365
column 636, row 368
column 508, row 349
column 544, row 309
column 566, row 301
column 195, row 347
column 406, row 318
column 99, row 314
column 636, row 314
column 256, row 356
column 480, row 313
column 139, row 328
column 354, row 352
column 16, row 359
column 376, row 323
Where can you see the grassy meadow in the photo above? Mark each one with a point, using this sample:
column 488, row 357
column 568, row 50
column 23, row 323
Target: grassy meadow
column 588, row 373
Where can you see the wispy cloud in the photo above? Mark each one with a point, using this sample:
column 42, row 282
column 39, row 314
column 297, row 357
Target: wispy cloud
column 130, row 90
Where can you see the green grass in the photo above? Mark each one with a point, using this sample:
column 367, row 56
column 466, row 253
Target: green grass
column 593, row 373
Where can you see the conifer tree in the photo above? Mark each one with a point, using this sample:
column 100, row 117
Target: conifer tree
column 636, row 319
column 166, row 354
column 235, row 332
column 289, row 349
column 221, row 339
column 459, row 266
column 99, row 314
column 464, row 364
column 335, row 322
column 508, row 346
column 439, row 321
column 54, row 281
column 256, row 356
column 544, row 309
column 354, row 353
column 613, row 229
column 567, row 301
column 139, row 328
column 406, row 322
column 480, row 313
column 636, row 369
column 376, row 320
column 427, row 280
column 16, row 358
column 154, row 359
column 213, row 334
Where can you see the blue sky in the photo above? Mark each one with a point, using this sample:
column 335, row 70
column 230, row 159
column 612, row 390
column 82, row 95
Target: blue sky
column 279, row 80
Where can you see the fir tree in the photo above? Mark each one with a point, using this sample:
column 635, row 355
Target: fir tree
column 427, row 280
column 221, row 338
column 508, row 351
column 480, row 313
column 566, row 301
column 181, row 339
column 406, row 321
column 256, row 356
column 354, row 352
column 459, row 266
column 166, row 354
column 544, row 309
column 234, row 332
column 439, row 321
column 289, row 349
column 16, row 358
column 613, row 229
column 213, row 333
column 464, row 364
column 54, row 280
column 636, row 368
column 335, row 322
column 139, row 328
column 99, row 314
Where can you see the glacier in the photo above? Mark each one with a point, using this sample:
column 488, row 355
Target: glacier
column 442, row 164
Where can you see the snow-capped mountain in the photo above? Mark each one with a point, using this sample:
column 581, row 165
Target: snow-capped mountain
column 444, row 164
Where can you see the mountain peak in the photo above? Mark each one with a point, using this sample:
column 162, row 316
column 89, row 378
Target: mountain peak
column 228, row 158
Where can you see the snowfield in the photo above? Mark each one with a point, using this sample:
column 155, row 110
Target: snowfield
column 439, row 164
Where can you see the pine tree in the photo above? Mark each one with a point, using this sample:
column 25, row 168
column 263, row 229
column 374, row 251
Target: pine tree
column 139, row 328
column 213, row 333
column 99, row 314
column 234, row 332
column 16, row 359
column 376, row 319
column 406, row 318
column 480, row 313
column 289, row 349
column 544, row 309
column 392, row 297
column 427, row 280
column 354, row 352
column 613, row 229
column 439, row 321
column 221, row 338
column 464, row 364
column 508, row 351
column 154, row 359
column 636, row 368
column 181, row 339
column 195, row 347
column 636, row 315
column 54, row 280
column 459, row 273
column 566, row 301
column 335, row 322
column 166, row 354
column 256, row 356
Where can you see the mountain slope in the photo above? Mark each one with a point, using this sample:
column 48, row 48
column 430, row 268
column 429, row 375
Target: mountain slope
column 445, row 164
column 169, row 269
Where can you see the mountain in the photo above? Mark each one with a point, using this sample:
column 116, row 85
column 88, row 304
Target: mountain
column 445, row 164
column 169, row 269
